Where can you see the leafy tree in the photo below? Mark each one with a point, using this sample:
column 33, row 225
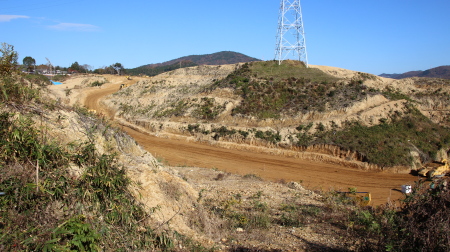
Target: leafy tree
column 105, row 70
column 8, row 60
column 29, row 62
column 76, row 67
column 118, row 67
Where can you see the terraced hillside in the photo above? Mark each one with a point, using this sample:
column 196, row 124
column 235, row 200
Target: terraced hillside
column 338, row 112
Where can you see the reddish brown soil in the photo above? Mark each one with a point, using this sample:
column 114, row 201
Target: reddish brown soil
column 312, row 175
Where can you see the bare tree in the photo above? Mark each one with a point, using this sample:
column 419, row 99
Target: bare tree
column 87, row 67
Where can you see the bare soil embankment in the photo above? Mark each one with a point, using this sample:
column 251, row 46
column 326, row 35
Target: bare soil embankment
column 193, row 198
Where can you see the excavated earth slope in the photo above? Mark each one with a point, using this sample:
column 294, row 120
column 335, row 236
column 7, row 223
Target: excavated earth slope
column 169, row 104
column 318, row 167
column 180, row 198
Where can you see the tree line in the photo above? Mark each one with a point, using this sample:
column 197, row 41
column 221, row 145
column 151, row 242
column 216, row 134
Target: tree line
column 29, row 65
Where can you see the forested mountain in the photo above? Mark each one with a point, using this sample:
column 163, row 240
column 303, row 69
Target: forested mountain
column 219, row 58
column 437, row 72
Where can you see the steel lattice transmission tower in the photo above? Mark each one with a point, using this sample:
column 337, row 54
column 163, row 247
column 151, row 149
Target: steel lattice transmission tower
column 290, row 35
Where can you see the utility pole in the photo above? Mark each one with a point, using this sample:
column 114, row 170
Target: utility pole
column 290, row 35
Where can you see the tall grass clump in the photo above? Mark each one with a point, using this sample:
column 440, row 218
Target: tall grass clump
column 13, row 86
column 46, row 208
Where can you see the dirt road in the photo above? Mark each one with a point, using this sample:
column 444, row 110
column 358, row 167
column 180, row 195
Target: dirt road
column 312, row 175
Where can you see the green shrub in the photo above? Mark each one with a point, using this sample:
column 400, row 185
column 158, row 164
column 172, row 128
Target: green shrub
column 176, row 108
column 97, row 83
column 207, row 109
column 193, row 128
column 269, row 136
column 421, row 223
column 392, row 94
column 424, row 219
column 243, row 133
column 224, row 131
column 74, row 235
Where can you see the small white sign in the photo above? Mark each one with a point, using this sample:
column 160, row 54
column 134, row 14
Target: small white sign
column 406, row 189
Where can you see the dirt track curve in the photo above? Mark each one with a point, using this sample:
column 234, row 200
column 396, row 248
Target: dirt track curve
column 312, row 175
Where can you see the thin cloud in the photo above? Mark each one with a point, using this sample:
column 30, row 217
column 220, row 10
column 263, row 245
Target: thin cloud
column 74, row 27
column 7, row 18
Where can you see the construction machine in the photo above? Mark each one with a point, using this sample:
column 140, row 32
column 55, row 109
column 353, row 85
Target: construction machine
column 123, row 85
column 435, row 169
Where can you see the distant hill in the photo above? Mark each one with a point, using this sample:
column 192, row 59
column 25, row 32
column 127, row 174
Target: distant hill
column 219, row 58
column 442, row 72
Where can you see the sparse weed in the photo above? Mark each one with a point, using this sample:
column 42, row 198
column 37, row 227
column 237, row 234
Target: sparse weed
column 97, row 83
column 220, row 176
column 252, row 176
column 171, row 189
column 207, row 109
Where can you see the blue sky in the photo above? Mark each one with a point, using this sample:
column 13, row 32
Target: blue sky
column 373, row 36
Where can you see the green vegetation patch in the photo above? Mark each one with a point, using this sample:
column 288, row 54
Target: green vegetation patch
column 270, row 90
column 272, row 70
column 208, row 109
column 175, row 108
column 388, row 143
column 269, row 136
